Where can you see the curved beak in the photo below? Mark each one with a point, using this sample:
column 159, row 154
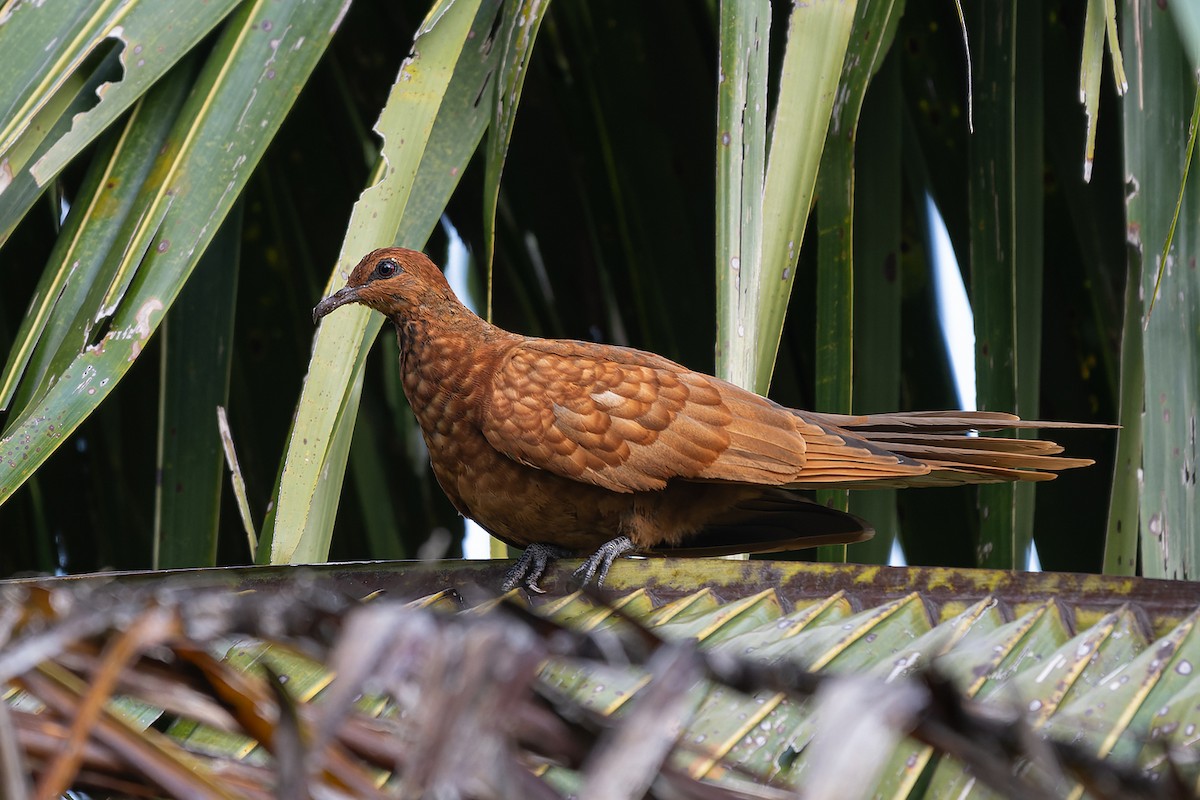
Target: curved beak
column 339, row 298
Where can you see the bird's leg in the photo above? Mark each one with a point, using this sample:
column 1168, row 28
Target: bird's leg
column 599, row 562
column 530, row 566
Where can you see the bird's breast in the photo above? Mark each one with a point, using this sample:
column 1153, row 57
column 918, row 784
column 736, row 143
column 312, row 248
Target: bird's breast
column 446, row 378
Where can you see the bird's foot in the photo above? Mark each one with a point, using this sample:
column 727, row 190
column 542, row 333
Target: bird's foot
column 599, row 562
column 530, row 566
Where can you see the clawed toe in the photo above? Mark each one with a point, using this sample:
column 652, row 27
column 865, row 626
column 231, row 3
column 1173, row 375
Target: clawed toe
column 533, row 562
column 598, row 563
column 530, row 566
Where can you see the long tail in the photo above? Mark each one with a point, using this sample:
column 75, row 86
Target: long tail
column 951, row 444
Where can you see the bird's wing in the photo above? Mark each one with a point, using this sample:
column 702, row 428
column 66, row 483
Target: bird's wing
column 629, row 420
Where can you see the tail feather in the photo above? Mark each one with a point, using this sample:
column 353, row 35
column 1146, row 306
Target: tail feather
column 948, row 444
column 1017, row 458
column 949, row 421
column 959, row 440
column 778, row 519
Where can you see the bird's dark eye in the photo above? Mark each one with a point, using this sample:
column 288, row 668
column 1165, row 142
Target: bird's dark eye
column 386, row 268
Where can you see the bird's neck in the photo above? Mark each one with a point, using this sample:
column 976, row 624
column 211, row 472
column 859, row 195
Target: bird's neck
column 445, row 354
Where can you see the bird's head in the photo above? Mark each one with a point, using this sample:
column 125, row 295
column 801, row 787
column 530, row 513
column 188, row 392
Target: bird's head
column 391, row 280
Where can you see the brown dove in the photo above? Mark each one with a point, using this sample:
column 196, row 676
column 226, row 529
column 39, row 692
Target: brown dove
column 568, row 447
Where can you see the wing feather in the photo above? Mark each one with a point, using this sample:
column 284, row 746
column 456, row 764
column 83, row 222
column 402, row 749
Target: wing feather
column 631, row 421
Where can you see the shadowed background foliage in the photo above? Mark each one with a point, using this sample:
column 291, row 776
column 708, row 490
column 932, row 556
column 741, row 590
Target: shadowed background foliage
column 605, row 230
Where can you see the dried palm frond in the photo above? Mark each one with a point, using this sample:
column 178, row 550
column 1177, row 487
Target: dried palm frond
column 172, row 689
